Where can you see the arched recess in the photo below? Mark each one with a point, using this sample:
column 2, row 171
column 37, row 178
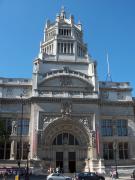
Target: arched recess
column 67, row 125
column 79, row 151
column 71, row 74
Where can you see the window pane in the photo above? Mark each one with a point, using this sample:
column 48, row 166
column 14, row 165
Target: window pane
column 108, row 150
column 65, row 138
column 122, row 127
column 59, row 156
column 59, row 139
column 123, row 150
column 71, row 139
column 106, row 127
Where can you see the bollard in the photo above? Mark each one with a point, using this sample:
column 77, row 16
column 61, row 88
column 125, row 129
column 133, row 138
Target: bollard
column 17, row 177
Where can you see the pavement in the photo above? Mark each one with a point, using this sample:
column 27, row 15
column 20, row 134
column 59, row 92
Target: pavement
column 120, row 178
column 43, row 177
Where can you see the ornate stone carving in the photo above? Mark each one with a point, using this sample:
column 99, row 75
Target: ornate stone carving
column 44, row 120
column 87, row 121
column 84, row 121
column 66, row 108
column 47, row 120
column 65, row 81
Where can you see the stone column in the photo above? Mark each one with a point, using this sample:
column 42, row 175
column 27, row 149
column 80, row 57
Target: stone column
column 34, row 145
column 93, row 122
column 12, row 150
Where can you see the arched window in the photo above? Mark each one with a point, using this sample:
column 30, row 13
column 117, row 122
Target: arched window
column 65, row 138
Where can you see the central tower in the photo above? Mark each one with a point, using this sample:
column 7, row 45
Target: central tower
column 64, row 102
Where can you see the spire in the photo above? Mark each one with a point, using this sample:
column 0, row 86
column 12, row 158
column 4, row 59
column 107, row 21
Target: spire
column 63, row 13
column 79, row 25
column 72, row 19
column 108, row 78
column 57, row 17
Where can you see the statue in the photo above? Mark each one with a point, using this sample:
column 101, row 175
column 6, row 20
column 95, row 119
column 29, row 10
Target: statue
column 14, row 127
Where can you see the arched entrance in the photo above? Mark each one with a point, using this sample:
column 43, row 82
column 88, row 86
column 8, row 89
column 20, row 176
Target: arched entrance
column 66, row 144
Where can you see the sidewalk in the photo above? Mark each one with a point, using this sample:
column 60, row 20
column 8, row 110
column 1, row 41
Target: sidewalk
column 120, row 178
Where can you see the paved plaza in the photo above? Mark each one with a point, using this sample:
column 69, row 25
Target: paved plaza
column 43, row 177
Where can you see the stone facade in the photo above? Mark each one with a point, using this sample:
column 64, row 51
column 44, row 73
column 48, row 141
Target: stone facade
column 69, row 118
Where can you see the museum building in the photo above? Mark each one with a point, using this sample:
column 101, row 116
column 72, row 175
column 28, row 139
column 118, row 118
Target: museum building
column 69, row 118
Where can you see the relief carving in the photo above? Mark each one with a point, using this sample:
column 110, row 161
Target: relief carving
column 87, row 121
column 66, row 108
column 65, row 81
column 44, row 120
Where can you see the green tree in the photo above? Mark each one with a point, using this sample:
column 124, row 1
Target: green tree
column 4, row 131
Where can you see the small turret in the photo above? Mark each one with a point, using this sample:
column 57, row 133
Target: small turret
column 72, row 19
column 79, row 25
column 57, row 18
column 63, row 13
column 47, row 23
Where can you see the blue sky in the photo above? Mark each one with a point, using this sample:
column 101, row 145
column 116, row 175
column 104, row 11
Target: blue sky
column 109, row 26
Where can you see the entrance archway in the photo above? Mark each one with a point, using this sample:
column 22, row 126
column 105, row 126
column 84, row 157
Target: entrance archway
column 66, row 143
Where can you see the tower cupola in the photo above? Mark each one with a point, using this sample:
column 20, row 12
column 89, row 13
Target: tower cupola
column 63, row 40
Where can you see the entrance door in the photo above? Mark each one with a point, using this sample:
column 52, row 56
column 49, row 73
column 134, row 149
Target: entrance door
column 72, row 162
column 59, row 160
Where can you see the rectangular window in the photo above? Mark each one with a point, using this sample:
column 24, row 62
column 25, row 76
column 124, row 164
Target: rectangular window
column 122, row 127
column 59, row 139
column 123, row 150
column 107, row 127
column 25, row 126
column 108, row 150
column 59, row 156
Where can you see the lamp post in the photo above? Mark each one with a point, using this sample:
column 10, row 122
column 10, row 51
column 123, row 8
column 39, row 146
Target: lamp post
column 89, row 164
column 27, row 167
column 20, row 142
column 115, row 157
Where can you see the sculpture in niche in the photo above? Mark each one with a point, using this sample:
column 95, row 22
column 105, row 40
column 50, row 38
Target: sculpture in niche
column 66, row 108
column 14, row 127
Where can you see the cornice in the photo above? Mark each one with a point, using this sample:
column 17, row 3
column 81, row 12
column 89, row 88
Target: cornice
column 66, row 62
column 115, row 89
column 15, row 101
column 58, row 99
column 95, row 101
column 117, row 103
